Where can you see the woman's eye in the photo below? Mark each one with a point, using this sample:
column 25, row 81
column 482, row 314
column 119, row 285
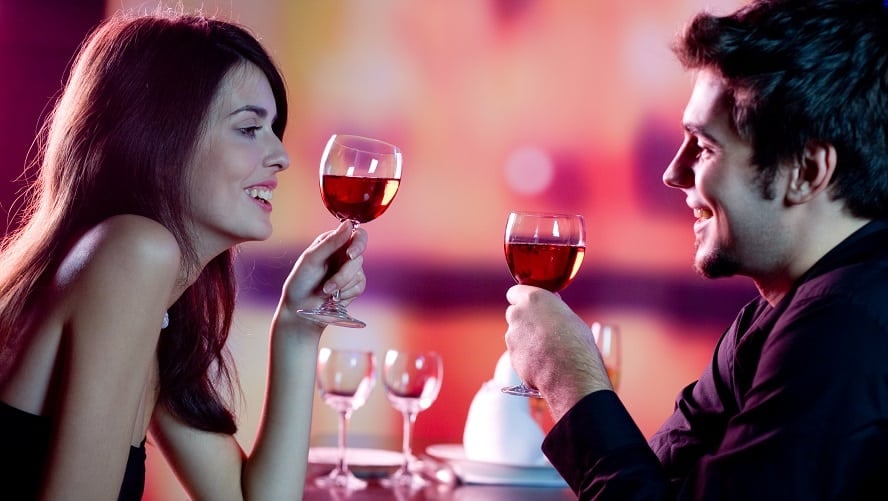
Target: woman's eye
column 249, row 131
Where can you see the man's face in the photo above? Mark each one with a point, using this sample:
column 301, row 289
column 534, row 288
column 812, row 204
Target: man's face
column 737, row 229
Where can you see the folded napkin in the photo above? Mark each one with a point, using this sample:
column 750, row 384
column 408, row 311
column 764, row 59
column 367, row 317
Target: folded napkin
column 499, row 427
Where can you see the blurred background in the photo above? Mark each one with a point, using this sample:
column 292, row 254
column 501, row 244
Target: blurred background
column 496, row 104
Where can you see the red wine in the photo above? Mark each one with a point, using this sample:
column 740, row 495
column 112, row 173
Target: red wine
column 360, row 199
column 550, row 266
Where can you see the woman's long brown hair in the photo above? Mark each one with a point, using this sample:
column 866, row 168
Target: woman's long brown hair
column 119, row 141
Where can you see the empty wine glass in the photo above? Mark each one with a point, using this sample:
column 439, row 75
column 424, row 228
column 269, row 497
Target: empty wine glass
column 345, row 378
column 359, row 178
column 607, row 338
column 544, row 250
column 412, row 381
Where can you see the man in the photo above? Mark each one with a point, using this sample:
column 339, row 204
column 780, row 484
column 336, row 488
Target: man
column 785, row 166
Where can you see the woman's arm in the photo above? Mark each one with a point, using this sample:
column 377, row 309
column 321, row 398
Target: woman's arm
column 212, row 466
column 110, row 293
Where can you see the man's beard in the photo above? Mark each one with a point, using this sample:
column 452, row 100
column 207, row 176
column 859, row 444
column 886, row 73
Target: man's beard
column 717, row 264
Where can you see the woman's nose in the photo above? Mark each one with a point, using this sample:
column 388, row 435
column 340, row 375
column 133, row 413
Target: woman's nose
column 278, row 157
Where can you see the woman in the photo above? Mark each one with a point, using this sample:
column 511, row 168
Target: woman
column 117, row 291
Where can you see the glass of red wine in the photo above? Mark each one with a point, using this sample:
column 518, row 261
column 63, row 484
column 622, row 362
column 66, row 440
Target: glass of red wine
column 544, row 250
column 359, row 179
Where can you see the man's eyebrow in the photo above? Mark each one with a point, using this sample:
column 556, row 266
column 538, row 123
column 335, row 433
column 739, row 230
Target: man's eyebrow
column 698, row 130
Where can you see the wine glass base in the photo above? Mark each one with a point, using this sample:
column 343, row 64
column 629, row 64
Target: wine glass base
column 406, row 480
column 338, row 479
column 522, row 391
column 332, row 317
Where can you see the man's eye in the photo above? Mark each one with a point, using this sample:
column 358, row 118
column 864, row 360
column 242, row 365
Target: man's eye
column 703, row 151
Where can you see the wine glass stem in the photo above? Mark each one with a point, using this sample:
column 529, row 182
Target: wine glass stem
column 342, row 256
column 343, row 430
column 409, row 421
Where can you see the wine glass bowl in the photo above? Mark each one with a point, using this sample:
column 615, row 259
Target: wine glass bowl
column 544, row 250
column 344, row 380
column 412, row 381
column 359, row 178
column 607, row 339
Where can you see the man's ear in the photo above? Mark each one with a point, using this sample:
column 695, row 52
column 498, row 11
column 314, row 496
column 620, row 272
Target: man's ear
column 812, row 173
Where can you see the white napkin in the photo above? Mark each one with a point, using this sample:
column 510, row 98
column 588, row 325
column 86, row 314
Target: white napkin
column 499, row 427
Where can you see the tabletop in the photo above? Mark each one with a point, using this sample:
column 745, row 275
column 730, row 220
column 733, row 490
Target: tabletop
column 448, row 487
column 440, row 492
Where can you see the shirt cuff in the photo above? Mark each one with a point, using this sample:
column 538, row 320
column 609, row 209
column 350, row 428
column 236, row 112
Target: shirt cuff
column 594, row 427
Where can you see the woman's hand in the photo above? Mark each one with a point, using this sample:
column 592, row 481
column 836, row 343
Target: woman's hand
column 334, row 261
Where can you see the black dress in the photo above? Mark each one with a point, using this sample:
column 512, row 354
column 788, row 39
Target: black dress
column 24, row 443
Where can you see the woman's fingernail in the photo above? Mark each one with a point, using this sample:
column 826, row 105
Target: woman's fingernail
column 329, row 288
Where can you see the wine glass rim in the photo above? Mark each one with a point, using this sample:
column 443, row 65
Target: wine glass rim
column 354, row 142
column 392, row 353
column 345, row 351
column 414, row 352
column 544, row 213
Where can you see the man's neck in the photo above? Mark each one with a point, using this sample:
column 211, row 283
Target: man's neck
column 811, row 248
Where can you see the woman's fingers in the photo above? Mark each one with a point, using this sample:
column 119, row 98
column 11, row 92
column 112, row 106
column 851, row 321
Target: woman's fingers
column 345, row 265
column 350, row 279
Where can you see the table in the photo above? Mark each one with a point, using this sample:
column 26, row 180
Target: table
column 375, row 491
column 451, row 490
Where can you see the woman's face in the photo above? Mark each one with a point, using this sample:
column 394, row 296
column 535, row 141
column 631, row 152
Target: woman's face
column 236, row 164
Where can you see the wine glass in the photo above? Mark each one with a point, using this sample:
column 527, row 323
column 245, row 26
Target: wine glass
column 359, row 178
column 345, row 378
column 544, row 250
column 607, row 338
column 412, row 381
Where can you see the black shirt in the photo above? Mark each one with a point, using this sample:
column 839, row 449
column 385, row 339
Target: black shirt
column 794, row 404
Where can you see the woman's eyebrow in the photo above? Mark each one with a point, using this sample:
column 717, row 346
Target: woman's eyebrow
column 258, row 110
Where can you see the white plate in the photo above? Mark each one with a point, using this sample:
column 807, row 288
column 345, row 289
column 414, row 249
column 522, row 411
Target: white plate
column 485, row 472
column 355, row 456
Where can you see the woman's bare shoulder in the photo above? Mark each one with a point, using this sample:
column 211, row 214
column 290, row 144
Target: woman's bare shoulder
column 120, row 249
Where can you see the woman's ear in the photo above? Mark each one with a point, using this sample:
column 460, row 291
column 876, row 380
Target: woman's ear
column 812, row 174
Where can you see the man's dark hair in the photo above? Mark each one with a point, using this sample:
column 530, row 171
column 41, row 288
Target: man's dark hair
column 802, row 71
